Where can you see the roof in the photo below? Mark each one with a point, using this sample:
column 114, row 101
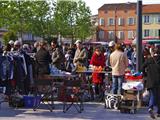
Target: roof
column 118, row 6
column 151, row 8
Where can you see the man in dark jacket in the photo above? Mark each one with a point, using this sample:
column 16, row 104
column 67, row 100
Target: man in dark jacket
column 152, row 68
column 58, row 58
column 43, row 59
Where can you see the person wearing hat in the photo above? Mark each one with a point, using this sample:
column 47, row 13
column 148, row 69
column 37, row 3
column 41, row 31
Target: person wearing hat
column 81, row 55
column 110, row 49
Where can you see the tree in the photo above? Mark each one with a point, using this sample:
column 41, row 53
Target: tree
column 84, row 27
column 27, row 16
column 11, row 35
column 72, row 19
column 46, row 19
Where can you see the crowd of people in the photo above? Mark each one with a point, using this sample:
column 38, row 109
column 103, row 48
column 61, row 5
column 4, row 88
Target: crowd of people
column 20, row 63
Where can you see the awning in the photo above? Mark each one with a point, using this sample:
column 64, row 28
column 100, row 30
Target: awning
column 132, row 42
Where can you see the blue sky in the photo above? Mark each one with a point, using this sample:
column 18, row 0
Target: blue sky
column 95, row 4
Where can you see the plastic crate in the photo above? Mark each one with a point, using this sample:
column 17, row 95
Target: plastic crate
column 29, row 100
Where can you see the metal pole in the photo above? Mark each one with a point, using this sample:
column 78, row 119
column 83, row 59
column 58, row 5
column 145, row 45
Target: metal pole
column 115, row 25
column 139, row 36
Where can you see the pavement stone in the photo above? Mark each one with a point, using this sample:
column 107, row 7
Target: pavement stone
column 92, row 111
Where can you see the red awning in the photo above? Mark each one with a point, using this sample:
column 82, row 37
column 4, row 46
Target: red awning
column 129, row 42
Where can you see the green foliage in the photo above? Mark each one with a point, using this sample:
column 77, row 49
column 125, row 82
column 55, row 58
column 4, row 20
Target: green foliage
column 46, row 18
column 27, row 16
column 9, row 36
column 72, row 19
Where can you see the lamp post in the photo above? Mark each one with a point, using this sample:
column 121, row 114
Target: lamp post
column 115, row 20
column 139, row 36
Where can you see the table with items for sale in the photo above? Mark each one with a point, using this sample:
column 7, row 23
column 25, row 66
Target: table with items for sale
column 47, row 88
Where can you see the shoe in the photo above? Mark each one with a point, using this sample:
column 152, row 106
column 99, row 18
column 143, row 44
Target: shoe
column 151, row 114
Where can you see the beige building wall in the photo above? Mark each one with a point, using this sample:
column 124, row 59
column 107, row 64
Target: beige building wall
column 153, row 26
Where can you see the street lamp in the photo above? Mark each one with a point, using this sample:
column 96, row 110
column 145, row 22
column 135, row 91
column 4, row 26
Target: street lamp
column 139, row 36
column 115, row 24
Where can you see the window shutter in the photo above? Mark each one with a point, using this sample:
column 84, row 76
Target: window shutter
column 128, row 21
column 101, row 21
column 130, row 34
column 120, row 21
column 143, row 34
column 151, row 33
column 143, row 19
column 108, row 22
column 151, row 19
column 135, row 21
column 121, row 35
column 156, row 32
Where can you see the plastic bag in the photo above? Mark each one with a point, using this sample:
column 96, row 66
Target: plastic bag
column 145, row 96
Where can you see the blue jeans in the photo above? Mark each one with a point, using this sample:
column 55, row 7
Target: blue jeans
column 154, row 98
column 151, row 99
column 117, row 84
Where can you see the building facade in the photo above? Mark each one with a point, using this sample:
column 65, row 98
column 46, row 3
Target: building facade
column 151, row 21
column 117, row 22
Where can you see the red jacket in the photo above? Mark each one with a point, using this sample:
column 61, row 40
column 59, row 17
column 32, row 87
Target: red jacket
column 97, row 61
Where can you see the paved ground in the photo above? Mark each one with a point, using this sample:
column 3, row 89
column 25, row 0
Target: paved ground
column 92, row 111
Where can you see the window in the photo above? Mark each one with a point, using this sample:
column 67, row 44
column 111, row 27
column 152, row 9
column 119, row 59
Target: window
column 121, row 35
column 130, row 34
column 158, row 19
column 146, row 33
column 101, row 34
column 120, row 21
column 131, row 21
column 111, row 21
column 101, row 21
column 111, row 34
column 146, row 19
